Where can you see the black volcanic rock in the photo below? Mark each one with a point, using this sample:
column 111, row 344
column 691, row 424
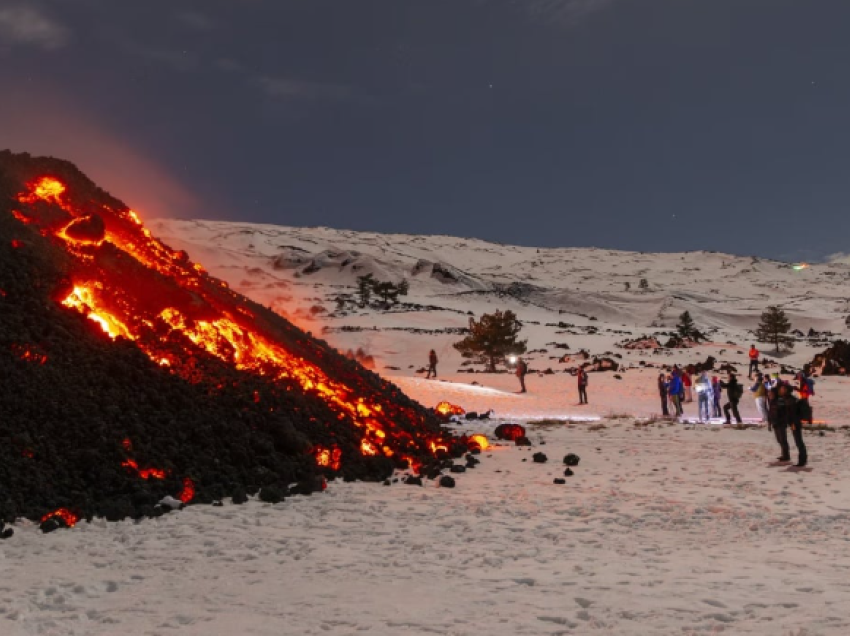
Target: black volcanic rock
column 107, row 426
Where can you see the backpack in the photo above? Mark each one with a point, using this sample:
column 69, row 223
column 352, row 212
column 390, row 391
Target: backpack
column 811, row 383
column 736, row 392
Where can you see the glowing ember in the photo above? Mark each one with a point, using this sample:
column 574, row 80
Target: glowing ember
column 17, row 244
column 45, row 189
column 29, row 354
column 188, row 493
column 144, row 473
column 447, row 409
column 65, row 515
column 329, row 458
column 368, row 448
column 480, row 441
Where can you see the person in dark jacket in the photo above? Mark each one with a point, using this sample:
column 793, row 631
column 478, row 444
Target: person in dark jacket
column 780, row 428
column 662, row 392
column 581, row 378
column 521, row 371
column 432, row 364
column 716, row 394
column 805, row 391
column 788, row 413
column 734, row 391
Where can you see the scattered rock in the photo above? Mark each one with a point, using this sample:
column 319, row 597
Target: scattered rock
column 539, row 458
column 559, row 480
column 572, row 459
column 447, row 482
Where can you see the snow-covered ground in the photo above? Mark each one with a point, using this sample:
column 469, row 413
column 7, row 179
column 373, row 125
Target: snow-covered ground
column 665, row 528
column 662, row 530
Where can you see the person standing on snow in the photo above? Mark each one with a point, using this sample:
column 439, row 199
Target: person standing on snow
column 804, row 388
column 432, row 364
column 779, row 427
column 788, row 413
column 686, row 383
column 662, row 392
column 581, row 378
column 716, row 394
column 521, row 371
column 734, row 391
column 704, row 396
column 759, row 392
column 754, row 362
column 675, row 391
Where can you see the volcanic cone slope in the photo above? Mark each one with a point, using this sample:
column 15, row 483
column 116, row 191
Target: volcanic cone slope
column 131, row 374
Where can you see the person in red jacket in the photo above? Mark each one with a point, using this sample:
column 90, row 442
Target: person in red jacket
column 754, row 361
column 687, row 383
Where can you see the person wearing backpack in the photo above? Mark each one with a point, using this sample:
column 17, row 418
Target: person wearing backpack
column 581, row 377
column 521, row 371
column 432, row 364
column 734, row 392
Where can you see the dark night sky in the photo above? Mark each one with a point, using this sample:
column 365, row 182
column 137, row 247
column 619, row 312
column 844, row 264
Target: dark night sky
column 654, row 125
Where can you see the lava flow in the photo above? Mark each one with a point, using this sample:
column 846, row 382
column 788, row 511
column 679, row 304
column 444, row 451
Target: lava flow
column 135, row 287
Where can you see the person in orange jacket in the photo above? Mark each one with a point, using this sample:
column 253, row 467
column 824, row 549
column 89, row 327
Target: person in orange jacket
column 754, row 361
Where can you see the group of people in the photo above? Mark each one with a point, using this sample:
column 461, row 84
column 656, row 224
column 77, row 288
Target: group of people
column 775, row 401
column 678, row 387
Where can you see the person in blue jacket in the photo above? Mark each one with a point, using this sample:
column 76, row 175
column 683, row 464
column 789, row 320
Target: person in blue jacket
column 675, row 391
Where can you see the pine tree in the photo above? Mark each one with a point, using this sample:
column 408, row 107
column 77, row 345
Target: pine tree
column 687, row 328
column 365, row 284
column 492, row 338
column 387, row 292
column 774, row 328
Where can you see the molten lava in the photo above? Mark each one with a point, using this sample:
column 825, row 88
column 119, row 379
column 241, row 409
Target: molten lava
column 479, row 441
column 135, row 287
column 188, row 493
column 447, row 409
column 29, row 354
column 65, row 515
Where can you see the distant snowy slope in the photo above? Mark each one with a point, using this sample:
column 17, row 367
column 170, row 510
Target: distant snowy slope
column 720, row 290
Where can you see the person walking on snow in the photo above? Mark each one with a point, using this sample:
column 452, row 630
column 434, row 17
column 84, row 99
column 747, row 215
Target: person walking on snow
column 754, row 362
column 662, row 392
column 581, row 378
column 716, row 394
column 686, row 383
column 432, row 364
column 734, row 391
column 704, row 396
column 521, row 371
column 760, row 394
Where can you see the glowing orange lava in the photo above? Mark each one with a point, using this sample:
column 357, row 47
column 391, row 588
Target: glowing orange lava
column 66, row 515
column 480, row 440
column 188, row 493
column 136, row 287
column 448, row 409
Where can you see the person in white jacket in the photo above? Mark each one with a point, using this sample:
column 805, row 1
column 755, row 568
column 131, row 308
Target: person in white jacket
column 759, row 391
column 704, row 396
